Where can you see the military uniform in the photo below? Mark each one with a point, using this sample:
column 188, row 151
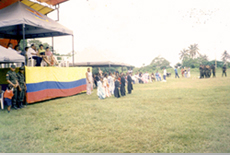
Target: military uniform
column 21, row 82
column 201, row 72
column 213, row 71
column 224, row 71
column 12, row 77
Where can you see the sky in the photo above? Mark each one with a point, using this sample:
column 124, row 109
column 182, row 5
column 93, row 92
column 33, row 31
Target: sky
column 137, row 31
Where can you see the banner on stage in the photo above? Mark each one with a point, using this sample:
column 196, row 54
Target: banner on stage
column 51, row 82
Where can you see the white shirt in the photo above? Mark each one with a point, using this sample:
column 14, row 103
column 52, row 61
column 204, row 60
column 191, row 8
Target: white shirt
column 130, row 71
column 29, row 52
column 165, row 72
column 90, row 77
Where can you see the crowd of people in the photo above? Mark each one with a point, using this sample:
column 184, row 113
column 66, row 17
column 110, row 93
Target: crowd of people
column 41, row 55
column 109, row 84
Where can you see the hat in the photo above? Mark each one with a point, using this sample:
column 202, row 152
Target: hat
column 21, row 68
column 13, row 66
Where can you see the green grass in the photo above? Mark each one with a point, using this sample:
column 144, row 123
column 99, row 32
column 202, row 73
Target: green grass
column 181, row 115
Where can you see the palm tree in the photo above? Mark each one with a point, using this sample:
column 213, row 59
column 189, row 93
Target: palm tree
column 204, row 57
column 193, row 50
column 225, row 56
column 184, row 53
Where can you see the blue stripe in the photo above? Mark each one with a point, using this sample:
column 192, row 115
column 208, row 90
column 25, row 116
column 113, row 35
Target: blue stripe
column 34, row 87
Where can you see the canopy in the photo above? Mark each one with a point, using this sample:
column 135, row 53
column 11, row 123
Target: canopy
column 10, row 56
column 36, row 24
column 44, row 9
column 98, row 59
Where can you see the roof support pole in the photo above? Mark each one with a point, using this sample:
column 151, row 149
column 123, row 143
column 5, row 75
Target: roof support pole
column 109, row 67
column 73, row 50
column 122, row 68
column 52, row 44
column 24, row 37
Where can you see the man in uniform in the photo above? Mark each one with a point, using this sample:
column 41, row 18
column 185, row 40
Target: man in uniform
column 224, row 68
column 201, row 71
column 11, row 78
column 21, row 87
column 213, row 70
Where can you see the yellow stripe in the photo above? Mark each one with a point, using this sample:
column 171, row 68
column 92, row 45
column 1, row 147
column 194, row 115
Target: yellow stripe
column 61, row 74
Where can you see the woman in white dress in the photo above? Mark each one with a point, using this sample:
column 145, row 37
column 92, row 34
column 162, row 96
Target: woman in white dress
column 111, row 83
column 89, row 82
column 100, row 89
column 106, row 86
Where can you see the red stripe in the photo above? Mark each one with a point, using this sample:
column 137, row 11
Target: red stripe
column 53, row 93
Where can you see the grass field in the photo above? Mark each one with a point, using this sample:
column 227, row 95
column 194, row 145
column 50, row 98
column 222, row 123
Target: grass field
column 180, row 115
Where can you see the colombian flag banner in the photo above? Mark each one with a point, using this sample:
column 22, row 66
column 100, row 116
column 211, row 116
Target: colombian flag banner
column 50, row 82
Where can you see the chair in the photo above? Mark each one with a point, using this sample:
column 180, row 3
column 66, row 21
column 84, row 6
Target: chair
column 2, row 101
column 31, row 62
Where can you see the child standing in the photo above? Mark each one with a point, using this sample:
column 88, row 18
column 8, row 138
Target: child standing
column 8, row 94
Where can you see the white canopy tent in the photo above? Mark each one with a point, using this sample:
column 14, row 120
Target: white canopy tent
column 19, row 21
column 10, row 56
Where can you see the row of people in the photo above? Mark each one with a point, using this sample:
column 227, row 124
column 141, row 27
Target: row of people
column 40, row 55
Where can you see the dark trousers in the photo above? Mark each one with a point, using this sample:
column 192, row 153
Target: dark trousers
column 176, row 75
column 14, row 98
column 213, row 74
column 38, row 60
column 164, row 76
column 224, row 73
column 21, row 95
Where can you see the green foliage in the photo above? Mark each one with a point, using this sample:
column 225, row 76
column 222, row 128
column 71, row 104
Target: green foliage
column 106, row 69
column 157, row 63
column 21, row 44
column 35, row 42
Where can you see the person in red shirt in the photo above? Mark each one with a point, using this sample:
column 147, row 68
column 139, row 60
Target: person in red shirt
column 8, row 94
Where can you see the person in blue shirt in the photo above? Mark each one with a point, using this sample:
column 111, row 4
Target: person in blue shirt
column 176, row 72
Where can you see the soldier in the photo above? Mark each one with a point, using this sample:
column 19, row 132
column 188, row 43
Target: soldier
column 207, row 71
column 201, row 72
column 224, row 68
column 11, row 78
column 213, row 70
column 21, row 87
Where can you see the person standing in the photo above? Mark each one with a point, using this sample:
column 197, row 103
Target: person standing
column 164, row 75
column 100, row 89
column 106, row 86
column 11, row 78
column 182, row 72
column 8, row 94
column 89, row 82
column 117, row 87
column 213, row 70
column 224, row 69
column 21, row 87
column 100, row 71
column 129, row 87
column 185, row 72
column 189, row 72
column 111, row 83
column 201, row 71
column 122, row 89
column 176, row 72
